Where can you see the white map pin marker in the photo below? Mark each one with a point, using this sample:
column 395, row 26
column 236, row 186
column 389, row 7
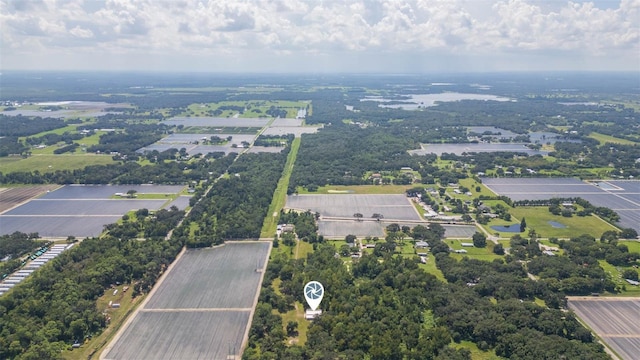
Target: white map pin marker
column 313, row 292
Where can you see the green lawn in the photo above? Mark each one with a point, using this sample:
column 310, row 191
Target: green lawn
column 280, row 194
column 537, row 218
column 616, row 275
column 602, row 138
column 485, row 253
column 476, row 354
column 50, row 163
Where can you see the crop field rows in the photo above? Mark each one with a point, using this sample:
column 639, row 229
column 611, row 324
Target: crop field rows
column 615, row 320
column 391, row 207
column 201, row 309
column 77, row 210
column 620, row 196
column 217, row 122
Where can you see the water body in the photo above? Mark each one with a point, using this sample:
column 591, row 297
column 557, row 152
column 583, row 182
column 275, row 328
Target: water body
column 418, row 101
column 513, row 228
column 556, row 225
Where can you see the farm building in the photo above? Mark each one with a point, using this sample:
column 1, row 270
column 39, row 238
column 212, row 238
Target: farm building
column 465, row 244
column 421, row 245
column 462, row 251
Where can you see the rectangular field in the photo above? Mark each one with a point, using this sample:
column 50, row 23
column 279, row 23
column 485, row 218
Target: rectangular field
column 56, row 226
column 76, row 210
column 222, row 277
column 217, row 122
column 201, row 309
column 615, row 320
column 392, row 207
column 182, row 335
column 10, row 197
column 284, row 130
column 83, row 207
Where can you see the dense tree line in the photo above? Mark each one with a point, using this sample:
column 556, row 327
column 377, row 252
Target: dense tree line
column 10, row 145
column 342, row 156
column 304, row 224
column 56, row 306
column 388, row 308
column 236, row 205
column 24, row 125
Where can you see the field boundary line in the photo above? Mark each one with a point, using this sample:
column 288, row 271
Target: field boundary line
column 141, row 306
column 245, row 337
column 195, row 309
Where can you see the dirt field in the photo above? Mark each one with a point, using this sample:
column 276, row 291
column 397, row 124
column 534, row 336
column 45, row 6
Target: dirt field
column 11, row 197
column 615, row 320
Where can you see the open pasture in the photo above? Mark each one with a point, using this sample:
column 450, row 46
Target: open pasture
column 392, row 207
column 221, row 277
column 51, row 163
column 182, row 335
column 614, row 320
column 217, row 122
column 620, row 196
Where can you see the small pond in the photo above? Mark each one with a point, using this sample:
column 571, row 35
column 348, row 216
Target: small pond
column 514, row 228
column 557, row 225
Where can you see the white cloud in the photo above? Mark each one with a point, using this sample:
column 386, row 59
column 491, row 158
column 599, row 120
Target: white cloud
column 306, row 33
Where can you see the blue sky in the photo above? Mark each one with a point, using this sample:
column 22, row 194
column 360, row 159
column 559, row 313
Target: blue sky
column 401, row 36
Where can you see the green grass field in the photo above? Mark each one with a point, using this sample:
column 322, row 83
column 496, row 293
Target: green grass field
column 537, row 218
column 602, row 138
column 50, row 163
column 280, row 194
column 616, row 275
column 485, row 253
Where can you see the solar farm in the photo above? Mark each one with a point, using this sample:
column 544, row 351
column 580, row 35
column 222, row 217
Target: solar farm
column 78, row 210
column 337, row 214
column 622, row 196
column 201, row 309
column 614, row 320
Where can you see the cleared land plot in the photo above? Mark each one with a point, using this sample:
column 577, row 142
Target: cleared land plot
column 222, row 277
column 340, row 228
column 284, row 130
column 182, row 335
column 266, row 149
column 106, row 191
column 181, row 202
column 286, row 122
column 83, row 207
column 10, row 197
column 217, row 122
column 192, row 143
column 620, row 196
column 458, row 149
column 56, row 226
column 616, row 321
column 396, row 207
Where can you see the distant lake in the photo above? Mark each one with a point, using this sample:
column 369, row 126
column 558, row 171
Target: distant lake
column 413, row 102
column 458, row 149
